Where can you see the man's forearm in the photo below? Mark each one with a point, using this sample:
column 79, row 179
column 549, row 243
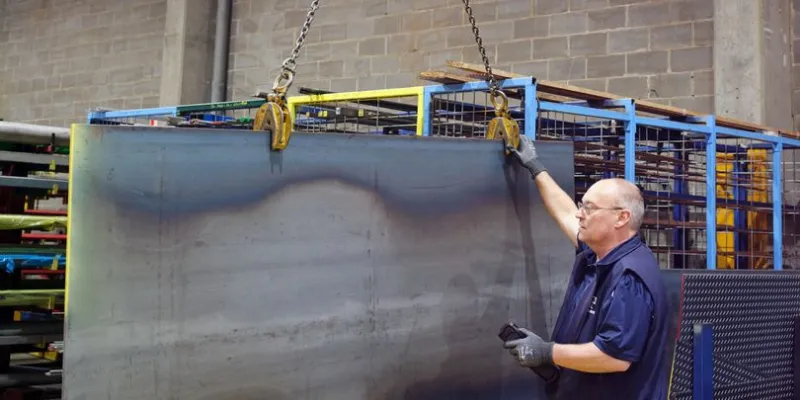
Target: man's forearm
column 559, row 204
column 586, row 358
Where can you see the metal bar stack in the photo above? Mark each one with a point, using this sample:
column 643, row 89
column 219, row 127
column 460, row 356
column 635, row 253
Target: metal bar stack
column 34, row 162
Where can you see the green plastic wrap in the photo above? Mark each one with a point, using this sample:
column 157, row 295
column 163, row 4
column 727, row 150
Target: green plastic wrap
column 16, row 221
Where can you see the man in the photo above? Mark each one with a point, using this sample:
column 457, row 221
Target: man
column 610, row 337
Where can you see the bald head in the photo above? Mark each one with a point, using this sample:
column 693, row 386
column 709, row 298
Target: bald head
column 624, row 194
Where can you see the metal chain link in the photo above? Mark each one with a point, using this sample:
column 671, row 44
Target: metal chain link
column 289, row 64
column 492, row 81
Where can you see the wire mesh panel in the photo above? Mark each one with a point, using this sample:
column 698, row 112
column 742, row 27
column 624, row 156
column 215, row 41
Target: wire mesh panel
column 791, row 207
column 229, row 115
column 384, row 112
column 598, row 143
column 467, row 114
column 671, row 171
column 395, row 116
column 744, row 203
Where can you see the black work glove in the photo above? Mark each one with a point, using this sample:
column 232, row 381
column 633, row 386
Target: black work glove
column 530, row 351
column 527, row 155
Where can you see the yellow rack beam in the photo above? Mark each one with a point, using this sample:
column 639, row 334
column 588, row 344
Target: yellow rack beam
column 377, row 94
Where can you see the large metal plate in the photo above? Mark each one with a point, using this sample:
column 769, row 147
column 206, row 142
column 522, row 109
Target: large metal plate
column 204, row 266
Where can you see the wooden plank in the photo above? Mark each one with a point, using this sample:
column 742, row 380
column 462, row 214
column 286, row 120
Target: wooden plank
column 449, row 78
column 641, row 105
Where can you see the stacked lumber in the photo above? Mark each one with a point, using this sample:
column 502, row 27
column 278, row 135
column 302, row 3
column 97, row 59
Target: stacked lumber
column 559, row 92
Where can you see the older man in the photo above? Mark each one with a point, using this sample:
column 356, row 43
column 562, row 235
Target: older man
column 610, row 338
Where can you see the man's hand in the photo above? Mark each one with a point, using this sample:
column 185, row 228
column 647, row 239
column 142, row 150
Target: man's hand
column 527, row 155
column 530, row 351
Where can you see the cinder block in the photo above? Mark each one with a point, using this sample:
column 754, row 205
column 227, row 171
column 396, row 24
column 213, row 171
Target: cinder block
column 589, row 44
column 374, row 8
column 632, row 86
column 577, row 5
column 649, row 14
column 417, row 21
column 514, row 9
column 569, row 23
column 625, row 2
column 700, row 104
column 693, row 10
column 608, row 18
column 693, row 59
column 331, row 69
column 537, row 69
column 389, row 24
column 372, row 47
column 432, row 41
column 545, row 7
column 605, row 66
column 446, row 17
column 671, row 37
column 557, row 47
column 628, row 40
column 535, row 27
column 567, row 69
column 594, row 84
column 648, row 62
column 671, row 85
column 704, row 33
column 514, row 51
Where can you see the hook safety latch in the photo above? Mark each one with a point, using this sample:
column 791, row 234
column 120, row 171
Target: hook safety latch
column 274, row 116
column 503, row 125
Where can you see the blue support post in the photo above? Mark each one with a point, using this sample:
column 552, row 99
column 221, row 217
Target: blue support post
column 630, row 141
column 777, row 205
column 703, row 382
column 531, row 109
column 711, row 193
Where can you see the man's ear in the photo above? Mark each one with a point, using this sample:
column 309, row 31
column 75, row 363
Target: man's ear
column 623, row 219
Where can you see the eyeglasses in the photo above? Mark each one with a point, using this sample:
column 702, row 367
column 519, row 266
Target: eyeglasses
column 589, row 209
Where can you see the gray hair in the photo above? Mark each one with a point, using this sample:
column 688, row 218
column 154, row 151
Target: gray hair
column 630, row 198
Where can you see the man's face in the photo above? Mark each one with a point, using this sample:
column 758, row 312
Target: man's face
column 597, row 214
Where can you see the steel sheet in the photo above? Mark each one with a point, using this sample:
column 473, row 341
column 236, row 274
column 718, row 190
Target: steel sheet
column 204, row 266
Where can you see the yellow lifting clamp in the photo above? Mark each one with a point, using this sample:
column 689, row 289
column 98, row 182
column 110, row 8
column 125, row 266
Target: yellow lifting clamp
column 274, row 115
column 503, row 125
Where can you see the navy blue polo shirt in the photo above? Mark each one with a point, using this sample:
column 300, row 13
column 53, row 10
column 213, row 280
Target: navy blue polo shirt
column 619, row 304
column 624, row 316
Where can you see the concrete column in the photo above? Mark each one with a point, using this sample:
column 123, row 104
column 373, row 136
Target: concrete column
column 752, row 61
column 188, row 52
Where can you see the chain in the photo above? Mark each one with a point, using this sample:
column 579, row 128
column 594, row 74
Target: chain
column 492, row 81
column 288, row 66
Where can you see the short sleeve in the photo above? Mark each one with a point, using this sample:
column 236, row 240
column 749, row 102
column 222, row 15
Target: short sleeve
column 625, row 319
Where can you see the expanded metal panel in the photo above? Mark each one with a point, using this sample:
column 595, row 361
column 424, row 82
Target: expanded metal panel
column 752, row 317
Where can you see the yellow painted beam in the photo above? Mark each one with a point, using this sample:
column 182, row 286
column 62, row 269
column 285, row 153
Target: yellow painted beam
column 357, row 95
column 420, row 109
column 73, row 130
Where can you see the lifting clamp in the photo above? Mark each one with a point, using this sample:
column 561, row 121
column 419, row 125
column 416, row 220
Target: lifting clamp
column 502, row 124
column 274, row 114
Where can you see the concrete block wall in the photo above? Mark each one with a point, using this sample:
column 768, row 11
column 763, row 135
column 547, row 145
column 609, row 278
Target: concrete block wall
column 61, row 58
column 656, row 49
